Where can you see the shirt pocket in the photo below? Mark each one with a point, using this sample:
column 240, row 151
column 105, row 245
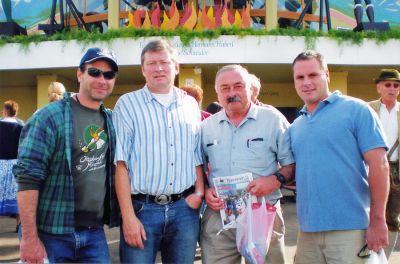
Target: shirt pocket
column 257, row 145
column 257, row 152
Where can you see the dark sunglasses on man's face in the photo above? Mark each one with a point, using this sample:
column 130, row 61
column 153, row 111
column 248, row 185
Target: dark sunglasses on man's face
column 395, row 85
column 108, row 75
column 364, row 252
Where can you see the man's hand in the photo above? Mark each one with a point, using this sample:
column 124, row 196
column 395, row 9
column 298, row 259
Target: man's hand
column 263, row 186
column 32, row 250
column 378, row 180
column 134, row 233
column 377, row 235
column 212, row 200
column 194, row 201
column 133, row 229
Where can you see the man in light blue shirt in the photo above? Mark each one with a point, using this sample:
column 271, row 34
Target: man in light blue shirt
column 340, row 203
column 243, row 138
column 159, row 181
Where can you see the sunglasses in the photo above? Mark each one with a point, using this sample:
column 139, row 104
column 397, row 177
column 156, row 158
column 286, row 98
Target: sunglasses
column 364, row 252
column 395, row 85
column 108, row 75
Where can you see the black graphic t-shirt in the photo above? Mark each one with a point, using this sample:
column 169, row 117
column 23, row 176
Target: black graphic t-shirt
column 89, row 150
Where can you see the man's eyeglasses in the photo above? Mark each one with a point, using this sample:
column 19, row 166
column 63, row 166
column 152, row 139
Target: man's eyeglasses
column 395, row 85
column 108, row 75
column 364, row 252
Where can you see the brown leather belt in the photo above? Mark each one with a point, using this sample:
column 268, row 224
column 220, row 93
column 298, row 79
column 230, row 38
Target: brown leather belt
column 163, row 199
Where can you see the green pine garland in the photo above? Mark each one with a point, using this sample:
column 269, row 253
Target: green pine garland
column 186, row 36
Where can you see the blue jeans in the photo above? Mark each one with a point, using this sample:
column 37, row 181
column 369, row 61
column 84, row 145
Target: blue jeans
column 84, row 245
column 171, row 228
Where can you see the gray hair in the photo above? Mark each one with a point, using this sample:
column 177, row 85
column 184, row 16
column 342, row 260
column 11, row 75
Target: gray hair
column 238, row 68
column 255, row 83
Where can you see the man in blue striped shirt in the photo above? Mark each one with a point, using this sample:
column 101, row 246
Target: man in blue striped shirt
column 159, row 181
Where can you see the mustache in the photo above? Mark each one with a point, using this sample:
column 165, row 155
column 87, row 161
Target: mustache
column 233, row 99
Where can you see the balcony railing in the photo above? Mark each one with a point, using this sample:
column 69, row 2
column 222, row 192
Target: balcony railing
column 218, row 15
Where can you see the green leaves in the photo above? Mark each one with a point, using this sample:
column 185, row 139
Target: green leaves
column 86, row 38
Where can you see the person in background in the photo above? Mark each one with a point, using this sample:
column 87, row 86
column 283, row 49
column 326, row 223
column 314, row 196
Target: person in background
column 243, row 138
column 55, row 91
column 10, row 131
column 358, row 11
column 255, row 86
column 65, row 171
column 388, row 109
column 159, row 178
column 340, row 203
column 213, row 108
column 196, row 92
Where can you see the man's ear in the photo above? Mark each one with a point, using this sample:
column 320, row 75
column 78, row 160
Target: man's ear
column 176, row 68
column 79, row 74
column 142, row 70
column 378, row 88
column 328, row 76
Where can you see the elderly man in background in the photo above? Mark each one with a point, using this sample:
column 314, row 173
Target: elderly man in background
column 388, row 109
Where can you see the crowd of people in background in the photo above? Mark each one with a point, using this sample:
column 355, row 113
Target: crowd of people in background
column 76, row 165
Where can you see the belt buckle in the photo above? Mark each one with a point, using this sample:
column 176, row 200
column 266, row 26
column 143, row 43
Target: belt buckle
column 162, row 199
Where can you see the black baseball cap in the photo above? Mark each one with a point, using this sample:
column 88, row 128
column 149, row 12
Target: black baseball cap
column 94, row 54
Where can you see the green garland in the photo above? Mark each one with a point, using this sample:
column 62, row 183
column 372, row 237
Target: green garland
column 186, row 36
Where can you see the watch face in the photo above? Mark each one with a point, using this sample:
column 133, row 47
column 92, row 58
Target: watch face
column 280, row 178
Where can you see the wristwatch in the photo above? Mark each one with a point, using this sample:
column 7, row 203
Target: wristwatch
column 280, row 177
column 199, row 194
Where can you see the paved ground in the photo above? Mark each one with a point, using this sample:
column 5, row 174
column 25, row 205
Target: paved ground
column 9, row 241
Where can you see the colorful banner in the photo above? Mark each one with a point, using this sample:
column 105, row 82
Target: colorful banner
column 30, row 13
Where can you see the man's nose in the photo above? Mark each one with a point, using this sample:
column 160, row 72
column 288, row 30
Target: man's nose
column 232, row 92
column 158, row 66
column 307, row 80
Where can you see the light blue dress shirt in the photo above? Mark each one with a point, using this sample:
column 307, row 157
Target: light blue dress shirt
column 160, row 145
column 259, row 145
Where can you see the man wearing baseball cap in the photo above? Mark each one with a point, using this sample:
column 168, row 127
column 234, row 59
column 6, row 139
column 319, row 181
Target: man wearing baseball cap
column 65, row 171
column 387, row 107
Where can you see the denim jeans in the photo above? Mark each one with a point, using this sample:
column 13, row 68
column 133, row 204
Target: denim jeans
column 84, row 245
column 173, row 229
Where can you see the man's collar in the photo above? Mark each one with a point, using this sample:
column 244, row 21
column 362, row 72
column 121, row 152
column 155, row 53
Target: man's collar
column 251, row 114
column 329, row 100
column 178, row 94
column 396, row 106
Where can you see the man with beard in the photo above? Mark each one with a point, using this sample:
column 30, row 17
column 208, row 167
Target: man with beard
column 65, row 171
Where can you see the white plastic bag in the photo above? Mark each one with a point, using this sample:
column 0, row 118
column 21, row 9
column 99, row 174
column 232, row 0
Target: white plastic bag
column 254, row 231
column 377, row 258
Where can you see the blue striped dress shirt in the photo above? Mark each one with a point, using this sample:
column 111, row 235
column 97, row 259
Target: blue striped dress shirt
column 161, row 146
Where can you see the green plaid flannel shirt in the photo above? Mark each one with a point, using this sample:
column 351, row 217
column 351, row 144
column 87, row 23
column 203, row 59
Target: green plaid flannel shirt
column 44, row 162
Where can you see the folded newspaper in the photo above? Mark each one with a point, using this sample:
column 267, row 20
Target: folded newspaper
column 232, row 189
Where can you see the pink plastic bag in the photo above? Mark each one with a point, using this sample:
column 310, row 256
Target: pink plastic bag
column 254, row 231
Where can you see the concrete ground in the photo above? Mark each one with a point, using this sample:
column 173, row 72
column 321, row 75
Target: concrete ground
column 9, row 241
